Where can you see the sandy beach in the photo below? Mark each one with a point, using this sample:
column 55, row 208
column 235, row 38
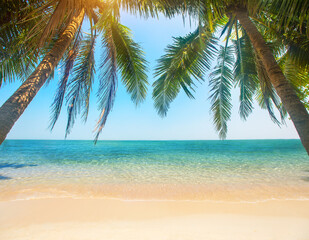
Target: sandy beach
column 83, row 219
column 153, row 191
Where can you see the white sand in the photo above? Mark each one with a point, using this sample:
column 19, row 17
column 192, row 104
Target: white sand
column 69, row 219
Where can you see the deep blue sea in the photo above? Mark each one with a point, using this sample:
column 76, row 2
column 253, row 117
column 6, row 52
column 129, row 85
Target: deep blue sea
column 231, row 170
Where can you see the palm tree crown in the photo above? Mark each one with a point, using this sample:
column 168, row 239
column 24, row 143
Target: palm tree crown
column 39, row 30
column 241, row 61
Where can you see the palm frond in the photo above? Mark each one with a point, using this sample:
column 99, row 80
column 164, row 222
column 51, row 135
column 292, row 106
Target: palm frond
column 17, row 58
column 266, row 94
column 80, row 86
column 288, row 12
column 187, row 59
column 228, row 27
column 209, row 12
column 298, row 78
column 221, row 83
column 292, row 40
column 13, row 61
column 255, row 7
column 144, row 8
column 61, row 15
column 131, row 62
column 244, row 72
column 298, row 52
column 108, row 81
column 59, row 96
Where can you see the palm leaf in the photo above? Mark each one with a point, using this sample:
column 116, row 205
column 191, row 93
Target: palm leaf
column 131, row 62
column 145, row 8
column 288, row 12
column 299, row 52
column 244, row 72
column 79, row 87
column 59, row 97
column 108, row 81
column 189, row 57
column 266, row 94
column 221, row 83
column 298, row 78
column 62, row 14
column 17, row 55
column 293, row 41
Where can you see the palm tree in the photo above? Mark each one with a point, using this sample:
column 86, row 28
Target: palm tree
column 255, row 69
column 12, row 109
column 61, row 37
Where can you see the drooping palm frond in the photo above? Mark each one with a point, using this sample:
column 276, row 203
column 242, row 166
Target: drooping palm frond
column 79, row 87
column 244, row 72
column 298, row 77
column 266, row 94
column 187, row 59
column 67, row 69
column 13, row 61
column 298, row 52
column 131, row 62
column 221, row 79
column 294, row 42
column 108, row 80
column 290, row 11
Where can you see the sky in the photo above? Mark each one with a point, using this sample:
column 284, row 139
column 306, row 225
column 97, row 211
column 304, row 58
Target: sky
column 187, row 119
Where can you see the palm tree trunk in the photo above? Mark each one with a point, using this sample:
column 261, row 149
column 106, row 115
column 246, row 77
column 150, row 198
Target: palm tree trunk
column 285, row 91
column 14, row 107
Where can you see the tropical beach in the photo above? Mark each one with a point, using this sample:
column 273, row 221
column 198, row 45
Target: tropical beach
column 154, row 190
column 228, row 171
column 138, row 119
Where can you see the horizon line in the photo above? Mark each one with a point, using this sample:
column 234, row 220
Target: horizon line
column 22, row 139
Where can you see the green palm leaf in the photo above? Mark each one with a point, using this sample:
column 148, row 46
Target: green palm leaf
column 189, row 57
column 123, row 55
column 108, row 80
column 79, row 87
column 131, row 62
column 145, row 8
column 266, row 94
column 244, row 72
column 299, row 52
column 59, row 96
column 289, row 11
column 221, row 83
column 299, row 79
column 17, row 54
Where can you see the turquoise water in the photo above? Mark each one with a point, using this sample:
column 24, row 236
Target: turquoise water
column 202, row 170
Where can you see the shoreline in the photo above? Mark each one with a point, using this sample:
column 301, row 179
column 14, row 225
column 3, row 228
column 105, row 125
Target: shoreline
column 157, row 200
column 214, row 192
column 67, row 218
column 154, row 191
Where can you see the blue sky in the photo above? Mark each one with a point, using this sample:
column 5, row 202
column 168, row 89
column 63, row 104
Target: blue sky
column 187, row 119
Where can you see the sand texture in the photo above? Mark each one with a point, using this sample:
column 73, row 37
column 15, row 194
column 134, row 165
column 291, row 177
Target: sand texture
column 85, row 219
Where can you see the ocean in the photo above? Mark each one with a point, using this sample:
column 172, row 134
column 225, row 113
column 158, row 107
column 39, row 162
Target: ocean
column 230, row 170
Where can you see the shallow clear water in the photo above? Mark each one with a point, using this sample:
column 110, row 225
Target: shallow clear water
column 246, row 170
